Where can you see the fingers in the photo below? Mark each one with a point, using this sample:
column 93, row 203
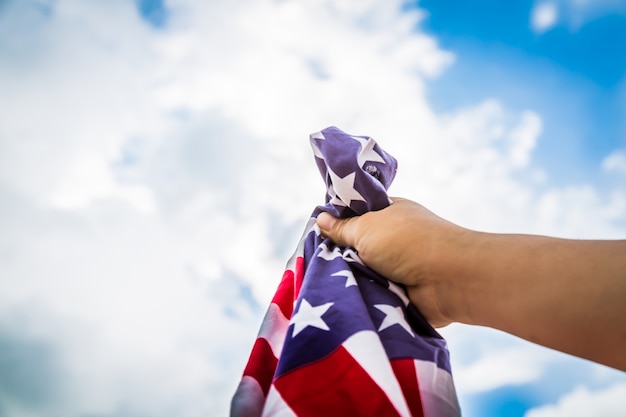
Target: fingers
column 340, row 231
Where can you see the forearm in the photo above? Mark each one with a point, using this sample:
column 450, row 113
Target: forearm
column 569, row 295
column 546, row 290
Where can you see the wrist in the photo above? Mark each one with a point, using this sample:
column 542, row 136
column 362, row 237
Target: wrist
column 457, row 275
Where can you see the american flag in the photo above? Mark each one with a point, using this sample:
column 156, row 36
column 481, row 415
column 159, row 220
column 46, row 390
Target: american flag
column 338, row 339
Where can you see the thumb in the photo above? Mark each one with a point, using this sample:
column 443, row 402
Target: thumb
column 340, row 231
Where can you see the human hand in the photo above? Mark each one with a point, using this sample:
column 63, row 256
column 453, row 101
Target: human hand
column 408, row 244
column 566, row 294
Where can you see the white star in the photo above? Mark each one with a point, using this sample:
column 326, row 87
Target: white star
column 317, row 135
column 367, row 151
column 333, row 197
column 399, row 291
column 393, row 315
column 349, row 277
column 327, row 254
column 350, row 255
column 362, row 141
column 344, row 187
column 308, row 315
column 316, row 150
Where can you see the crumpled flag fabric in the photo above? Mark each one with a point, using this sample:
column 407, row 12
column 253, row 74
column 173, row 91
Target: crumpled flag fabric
column 338, row 339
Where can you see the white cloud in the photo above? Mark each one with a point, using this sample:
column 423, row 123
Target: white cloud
column 610, row 402
column 544, row 16
column 153, row 182
column 484, row 359
column 615, row 162
column 141, row 171
column 510, row 366
column 574, row 14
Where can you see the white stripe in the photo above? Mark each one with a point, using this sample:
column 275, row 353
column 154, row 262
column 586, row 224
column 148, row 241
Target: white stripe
column 436, row 390
column 366, row 348
column 299, row 252
column 274, row 328
column 248, row 399
column 275, row 406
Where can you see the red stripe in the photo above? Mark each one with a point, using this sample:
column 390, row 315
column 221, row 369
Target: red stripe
column 334, row 386
column 262, row 364
column 299, row 275
column 284, row 296
column 407, row 377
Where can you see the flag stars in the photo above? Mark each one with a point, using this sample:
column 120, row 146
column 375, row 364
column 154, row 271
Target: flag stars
column 316, row 150
column 309, row 316
column 344, row 189
column 393, row 315
column 367, row 151
column 400, row 292
column 318, row 135
column 350, row 255
column 327, row 254
column 350, row 280
column 333, row 197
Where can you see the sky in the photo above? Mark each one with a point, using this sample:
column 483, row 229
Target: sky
column 155, row 176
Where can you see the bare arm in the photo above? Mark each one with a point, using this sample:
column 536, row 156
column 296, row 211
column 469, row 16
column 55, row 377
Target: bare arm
column 569, row 295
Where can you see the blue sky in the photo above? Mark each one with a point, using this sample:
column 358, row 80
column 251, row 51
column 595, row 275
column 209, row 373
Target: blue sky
column 574, row 76
column 155, row 176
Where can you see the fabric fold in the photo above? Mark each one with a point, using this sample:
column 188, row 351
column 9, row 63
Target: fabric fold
column 339, row 339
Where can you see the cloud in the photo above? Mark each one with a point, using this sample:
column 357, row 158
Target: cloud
column 544, row 16
column 582, row 402
column 141, row 172
column 512, row 366
column 485, row 359
column 153, row 181
column 28, row 367
column 615, row 162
